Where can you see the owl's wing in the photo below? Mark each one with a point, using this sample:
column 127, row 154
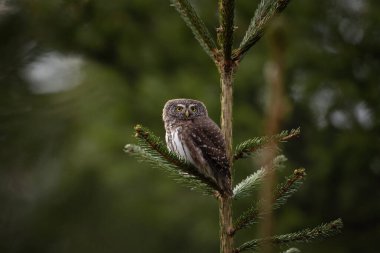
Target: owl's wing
column 207, row 137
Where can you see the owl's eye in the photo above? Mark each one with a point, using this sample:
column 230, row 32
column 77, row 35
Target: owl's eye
column 179, row 108
column 193, row 108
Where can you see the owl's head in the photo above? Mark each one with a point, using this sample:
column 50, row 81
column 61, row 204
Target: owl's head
column 184, row 109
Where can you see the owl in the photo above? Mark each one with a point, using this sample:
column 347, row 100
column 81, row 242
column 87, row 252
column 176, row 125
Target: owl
column 192, row 135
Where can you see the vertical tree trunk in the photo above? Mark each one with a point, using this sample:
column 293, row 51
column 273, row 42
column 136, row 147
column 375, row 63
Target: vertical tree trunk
column 274, row 72
column 226, row 69
column 225, row 211
column 225, row 219
column 226, row 101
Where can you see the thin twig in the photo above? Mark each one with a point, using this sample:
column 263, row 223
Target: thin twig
column 199, row 29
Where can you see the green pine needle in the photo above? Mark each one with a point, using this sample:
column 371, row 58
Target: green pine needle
column 249, row 217
column 282, row 194
column 195, row 23
column 307, row 235
column 150, row 141
column 289, row 187
column 249, row 147
column 292, row 250
column 150, row 149
column 246, row 187
column 265, row 12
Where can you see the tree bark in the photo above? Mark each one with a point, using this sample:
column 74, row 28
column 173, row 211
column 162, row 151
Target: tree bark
column 226, row 101
column 225, row 219
column 226, row 70
column 274, row 75
column 225, row 210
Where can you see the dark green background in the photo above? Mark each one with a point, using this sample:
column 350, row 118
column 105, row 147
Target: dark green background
column 65, row 183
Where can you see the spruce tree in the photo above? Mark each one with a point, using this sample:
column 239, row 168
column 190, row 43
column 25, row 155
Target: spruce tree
column 152, row 150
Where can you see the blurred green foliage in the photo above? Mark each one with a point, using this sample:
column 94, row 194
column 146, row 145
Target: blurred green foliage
column 67, row 186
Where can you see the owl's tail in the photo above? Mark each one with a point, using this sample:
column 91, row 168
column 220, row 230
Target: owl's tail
column 224, row 183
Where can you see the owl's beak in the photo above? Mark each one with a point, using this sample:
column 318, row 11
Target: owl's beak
column 187, row 113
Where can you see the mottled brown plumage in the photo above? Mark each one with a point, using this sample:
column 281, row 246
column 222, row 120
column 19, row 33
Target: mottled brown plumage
column 191, row 134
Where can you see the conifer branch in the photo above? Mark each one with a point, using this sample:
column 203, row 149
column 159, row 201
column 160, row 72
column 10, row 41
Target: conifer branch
column 226, row 29
column 245, row 187
column 248, row 218
column 248, row 147
column 307, row 235
column 265, row 12
column 150, row 141
column 195, row 23
column 291, row 185
column 283, row 193
column 153, row 151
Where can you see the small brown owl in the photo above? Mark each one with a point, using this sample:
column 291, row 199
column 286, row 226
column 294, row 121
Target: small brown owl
column 192, row 135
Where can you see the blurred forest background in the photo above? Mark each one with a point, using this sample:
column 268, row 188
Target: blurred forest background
column 77, row 75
